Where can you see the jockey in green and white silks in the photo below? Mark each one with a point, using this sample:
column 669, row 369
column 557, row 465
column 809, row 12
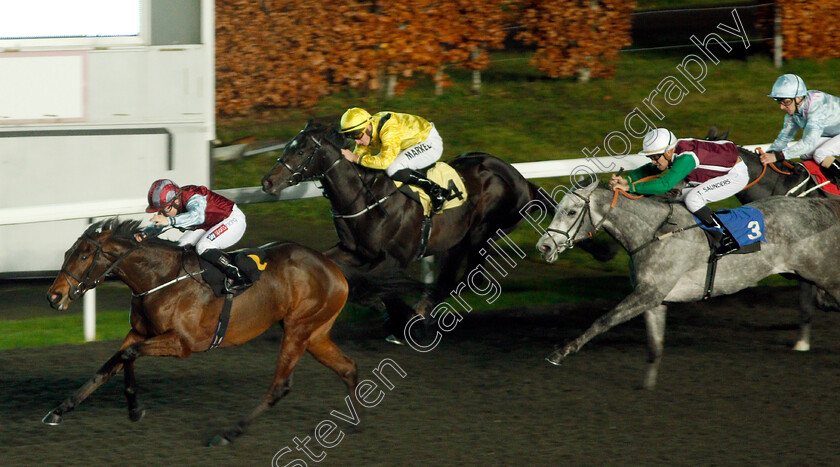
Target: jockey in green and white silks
column 404, row 143
column 816, row 113
column 712, row 170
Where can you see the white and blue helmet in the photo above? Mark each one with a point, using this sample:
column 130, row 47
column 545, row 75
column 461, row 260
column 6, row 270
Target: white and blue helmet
column 787, row 87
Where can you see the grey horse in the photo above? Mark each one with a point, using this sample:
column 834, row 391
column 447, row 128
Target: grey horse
column 669, row 264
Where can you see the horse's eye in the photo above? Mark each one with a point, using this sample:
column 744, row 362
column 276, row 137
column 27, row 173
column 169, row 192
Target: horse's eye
column 300, row 153
column 572, row 212
column 84, row 257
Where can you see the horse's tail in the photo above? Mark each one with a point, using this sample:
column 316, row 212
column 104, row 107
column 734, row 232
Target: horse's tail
column 382, row 284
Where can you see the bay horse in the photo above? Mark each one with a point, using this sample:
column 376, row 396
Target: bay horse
column 672, row 268
column 299, row 286
column 377, row 225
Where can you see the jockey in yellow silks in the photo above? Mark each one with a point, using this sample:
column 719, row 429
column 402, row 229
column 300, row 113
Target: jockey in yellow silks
column 404, row 143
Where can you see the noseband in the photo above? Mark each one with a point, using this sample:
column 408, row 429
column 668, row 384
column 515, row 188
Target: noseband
column 83, row 285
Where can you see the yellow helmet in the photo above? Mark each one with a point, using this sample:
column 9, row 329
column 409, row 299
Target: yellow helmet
column 355, row 119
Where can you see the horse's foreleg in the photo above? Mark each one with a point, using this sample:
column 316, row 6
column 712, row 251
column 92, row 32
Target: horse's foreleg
column 109, row 369
column 135, row 411
column 633, row 305
column 449, row 267
column 166, row 344
column 291, row 350
column 655, row 324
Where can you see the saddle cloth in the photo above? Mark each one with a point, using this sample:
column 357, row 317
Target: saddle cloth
column 250, row 261
column 444, row 175
column 819, row 177
column 746, row 224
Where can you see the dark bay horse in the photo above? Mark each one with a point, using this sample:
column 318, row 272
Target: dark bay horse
column 300, row 287
column 673, row 269
column 378, row 225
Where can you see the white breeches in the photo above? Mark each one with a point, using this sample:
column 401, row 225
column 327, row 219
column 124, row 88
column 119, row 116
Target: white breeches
column 716, row 189
column 222, row 235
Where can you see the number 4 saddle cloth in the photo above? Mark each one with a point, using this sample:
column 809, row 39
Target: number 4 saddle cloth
column 444, row 175
column 745, row 223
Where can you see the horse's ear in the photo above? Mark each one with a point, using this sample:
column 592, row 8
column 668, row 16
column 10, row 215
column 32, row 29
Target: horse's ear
column 724, row 135
column 335, row 137
column 589, row 188
column 712, row 135
column 308, row 124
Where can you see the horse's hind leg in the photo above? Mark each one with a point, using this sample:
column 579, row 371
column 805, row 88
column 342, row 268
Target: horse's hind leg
column 807, row 296
column 655, row 324
column 325, row 351
column 291, row 350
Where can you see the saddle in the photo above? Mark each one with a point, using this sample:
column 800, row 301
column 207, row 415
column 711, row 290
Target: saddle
column 746, row 224
column 444, row 175
column 250, row 261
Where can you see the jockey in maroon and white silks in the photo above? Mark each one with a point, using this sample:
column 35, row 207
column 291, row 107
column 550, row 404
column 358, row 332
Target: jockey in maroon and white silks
column 212, row 222
column 712, row 170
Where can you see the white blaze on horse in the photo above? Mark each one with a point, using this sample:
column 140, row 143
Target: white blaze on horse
column 674, row 268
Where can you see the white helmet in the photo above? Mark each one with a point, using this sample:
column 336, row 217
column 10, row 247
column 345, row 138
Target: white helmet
column 787, row 87
column 658, row 141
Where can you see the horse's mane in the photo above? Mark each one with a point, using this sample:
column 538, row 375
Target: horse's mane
column 124, row 230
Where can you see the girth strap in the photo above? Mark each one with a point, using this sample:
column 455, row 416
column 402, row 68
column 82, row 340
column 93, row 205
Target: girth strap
column 224, row 318
column 710, row 276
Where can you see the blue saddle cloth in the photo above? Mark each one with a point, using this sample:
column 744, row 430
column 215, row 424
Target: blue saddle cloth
column 745, row 223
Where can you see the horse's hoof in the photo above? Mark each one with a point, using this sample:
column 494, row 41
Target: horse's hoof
column 136, row 415
column 394, row 340
column 554, row 359
column 802, row 346
column 219, row 440
column 52, row 418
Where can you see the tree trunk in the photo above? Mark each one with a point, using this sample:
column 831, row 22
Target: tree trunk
column 391, row 86
column 476, row 74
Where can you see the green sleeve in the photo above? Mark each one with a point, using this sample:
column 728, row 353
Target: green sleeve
column 683, row 165
column 644, row 171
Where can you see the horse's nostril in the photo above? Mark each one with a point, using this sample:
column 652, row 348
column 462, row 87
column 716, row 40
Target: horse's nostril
column 54, row 297
column 544, row 248
column 266, row 184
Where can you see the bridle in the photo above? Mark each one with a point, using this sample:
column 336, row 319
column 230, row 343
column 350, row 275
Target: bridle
column 298, row 177
column 297, row 172
column 85, row 284
column 578, row 224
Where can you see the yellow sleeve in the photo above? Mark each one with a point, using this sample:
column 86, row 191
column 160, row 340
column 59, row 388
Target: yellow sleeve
column 361, row 151
column 391, row 138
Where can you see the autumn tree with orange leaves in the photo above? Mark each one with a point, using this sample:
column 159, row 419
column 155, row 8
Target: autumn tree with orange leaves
column 810, row 29
column 576, row 38
column 282, row 53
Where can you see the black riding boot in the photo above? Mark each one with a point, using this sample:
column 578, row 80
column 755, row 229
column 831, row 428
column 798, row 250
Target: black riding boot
column 833, row 172
column 221, row 260
column 727, row 243
column 437, row 194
